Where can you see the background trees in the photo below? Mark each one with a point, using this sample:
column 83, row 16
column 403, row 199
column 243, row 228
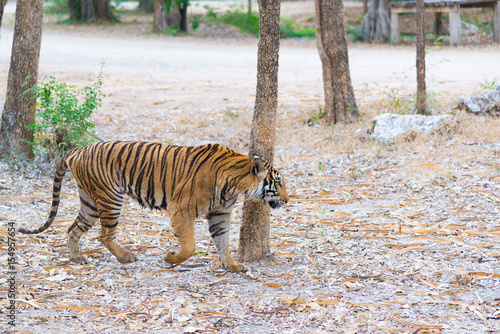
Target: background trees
column 254, row 230
column 170, row 13
column 19, row 110
column 89, row 10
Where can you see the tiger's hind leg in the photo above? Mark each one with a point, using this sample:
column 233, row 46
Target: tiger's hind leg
column 109, row 214
column 87, row 217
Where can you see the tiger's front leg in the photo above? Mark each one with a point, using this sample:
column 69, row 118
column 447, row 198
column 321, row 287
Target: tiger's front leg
column 218, row 226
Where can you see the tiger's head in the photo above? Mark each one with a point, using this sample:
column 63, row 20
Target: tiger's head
column 271, row 188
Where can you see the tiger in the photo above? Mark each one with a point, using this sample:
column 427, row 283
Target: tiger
column 186, row 181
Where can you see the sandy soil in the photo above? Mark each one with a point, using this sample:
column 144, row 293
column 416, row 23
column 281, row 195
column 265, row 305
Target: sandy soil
column 377, row 238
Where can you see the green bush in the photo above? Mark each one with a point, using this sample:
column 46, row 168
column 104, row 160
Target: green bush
column 243, row 20
column 291, row 29
column 63, row 115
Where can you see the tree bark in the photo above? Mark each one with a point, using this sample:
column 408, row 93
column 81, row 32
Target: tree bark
column 340, row 104
column 19, row 111
column 376, row 24
column 421, row 90
column 254, row 230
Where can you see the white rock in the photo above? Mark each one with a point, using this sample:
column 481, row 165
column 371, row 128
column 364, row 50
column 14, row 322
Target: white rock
column 389, row 126
column 469, row 28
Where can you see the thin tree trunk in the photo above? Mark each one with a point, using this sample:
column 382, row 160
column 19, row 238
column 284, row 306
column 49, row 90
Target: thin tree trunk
column 421, row 90
column 376, row 24
column 2, row 6
column 254, row 230
column 183, row 14
column 19, row 111
column 340, row 104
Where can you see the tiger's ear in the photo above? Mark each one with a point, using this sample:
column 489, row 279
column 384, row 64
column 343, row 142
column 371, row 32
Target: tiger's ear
column 259, row 168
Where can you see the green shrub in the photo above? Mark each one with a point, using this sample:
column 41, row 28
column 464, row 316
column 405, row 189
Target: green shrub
column 63, row 115
column 489, row 85
column 291, row 29
column 243, row 20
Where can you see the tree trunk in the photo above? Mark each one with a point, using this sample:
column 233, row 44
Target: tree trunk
column 90, row 10
column 254, row 230
column 174, row 17
column 183, row 14
column 421, row 90
column 160, row 15
column 19, row 111
column 146, row 5
column 376, row 24
column 2, row 6
column 102, row 10
column 340, row 104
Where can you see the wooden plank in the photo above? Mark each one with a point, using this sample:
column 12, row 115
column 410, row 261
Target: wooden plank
column 442, row 9
column 462, row 3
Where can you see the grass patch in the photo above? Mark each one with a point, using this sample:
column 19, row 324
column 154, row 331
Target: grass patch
column 56, row 7
column 237, row 17
column 290, row 27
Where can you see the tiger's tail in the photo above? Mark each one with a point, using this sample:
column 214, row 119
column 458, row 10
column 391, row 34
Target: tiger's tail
column 61, row 169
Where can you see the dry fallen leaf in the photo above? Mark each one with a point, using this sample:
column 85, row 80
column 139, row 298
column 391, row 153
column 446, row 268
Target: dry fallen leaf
column 289, row 301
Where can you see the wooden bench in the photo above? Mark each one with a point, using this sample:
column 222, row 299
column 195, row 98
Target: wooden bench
column 452, row 8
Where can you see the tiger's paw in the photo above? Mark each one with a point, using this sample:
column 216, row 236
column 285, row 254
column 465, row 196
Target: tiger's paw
column 127, row 257
column 78, row 259
column 235, row 267
column 172, row 259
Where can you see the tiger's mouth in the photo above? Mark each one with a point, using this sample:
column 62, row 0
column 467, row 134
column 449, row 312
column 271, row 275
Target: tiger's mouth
column 275, row 204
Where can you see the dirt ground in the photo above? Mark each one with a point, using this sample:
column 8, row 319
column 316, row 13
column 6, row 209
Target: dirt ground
column 398, row 238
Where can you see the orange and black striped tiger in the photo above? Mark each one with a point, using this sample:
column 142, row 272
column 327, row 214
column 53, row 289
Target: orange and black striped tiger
column 188, row 182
